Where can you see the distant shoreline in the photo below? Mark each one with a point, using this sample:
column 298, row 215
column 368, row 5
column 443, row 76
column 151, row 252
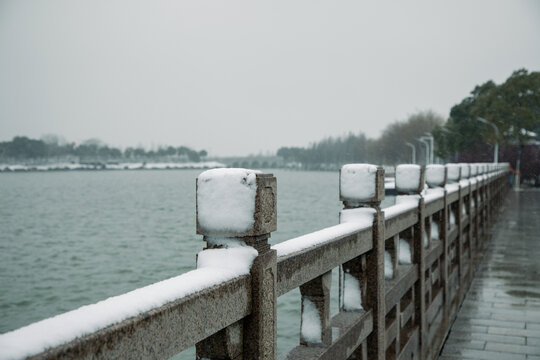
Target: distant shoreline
column 10, row 168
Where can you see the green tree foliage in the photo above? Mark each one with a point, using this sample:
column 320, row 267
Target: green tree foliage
column 22, row 147
column 514, row 107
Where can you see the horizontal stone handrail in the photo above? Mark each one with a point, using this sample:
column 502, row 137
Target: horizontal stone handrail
column 233, row 314
column 159, row 331
column 304, row 265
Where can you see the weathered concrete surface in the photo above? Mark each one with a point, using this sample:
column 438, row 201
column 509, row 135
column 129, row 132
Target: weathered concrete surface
column 500, row 316
column 163, row 331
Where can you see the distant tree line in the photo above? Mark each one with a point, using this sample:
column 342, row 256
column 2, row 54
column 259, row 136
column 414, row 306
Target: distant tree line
column 513, row 107
column 22, row 148
column 390, row 148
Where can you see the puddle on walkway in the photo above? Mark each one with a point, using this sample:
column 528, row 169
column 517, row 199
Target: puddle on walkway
column 523, row 294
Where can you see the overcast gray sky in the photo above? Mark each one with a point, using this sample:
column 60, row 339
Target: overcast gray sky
column 240, row 77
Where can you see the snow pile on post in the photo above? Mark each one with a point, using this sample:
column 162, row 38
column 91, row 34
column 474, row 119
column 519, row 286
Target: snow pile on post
column 404, row 252
column 434, row 231
column 352, row 294
column 235, row 256
column 358, row 182
column 403, row 204
column 408, row 199
column 451, row 188
column 388, row 266
column 474, row 170
column 435, row 175
column 481, row 169
column 453, row 172
column 465, row 171
column 408, row 178
column 226, row 200
column 452, row 218
column 311, row 330
column 433, row 194
column 362, row 216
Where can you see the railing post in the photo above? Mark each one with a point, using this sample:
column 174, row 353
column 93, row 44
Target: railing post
column 474, row 214
column 488, row 200
column 467, row 236
column 459, row 223
column 415, row 174
column 454, row 175
column 238, row 207
column 486, row 204
column 443, row 236
column 481, row 207
column 362, row 185
column 436, row 177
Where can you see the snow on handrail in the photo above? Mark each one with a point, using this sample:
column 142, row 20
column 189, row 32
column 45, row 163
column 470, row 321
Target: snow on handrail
column 61, row 329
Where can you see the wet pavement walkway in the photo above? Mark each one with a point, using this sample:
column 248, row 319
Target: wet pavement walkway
column 500, row 316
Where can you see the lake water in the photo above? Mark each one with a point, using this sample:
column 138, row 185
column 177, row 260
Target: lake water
column 69, row 239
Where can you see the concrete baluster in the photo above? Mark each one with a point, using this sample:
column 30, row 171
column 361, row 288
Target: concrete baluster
column 486, row 202
column 481, row 206
column 443, row 236
column 474, row 213
column 416, row 173
column 368, row 271
column 454, row 176
column 255, row 336
column 489, row 187
column 436, row 177
column 466, row 234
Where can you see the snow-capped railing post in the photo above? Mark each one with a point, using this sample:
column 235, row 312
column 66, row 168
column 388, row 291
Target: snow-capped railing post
column 362, row 185
column 443, row 236
column 437, row 177
column 410, row 181
column 453, row 211
column 465, row 175
column 466, row 196
column 481, row 205
column 474, row 209
column 488, row 186
column 454, row 175
column 237, row 208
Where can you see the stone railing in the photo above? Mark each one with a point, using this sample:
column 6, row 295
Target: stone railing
column 404, row 271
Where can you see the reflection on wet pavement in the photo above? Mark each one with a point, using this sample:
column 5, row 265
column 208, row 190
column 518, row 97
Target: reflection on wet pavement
column 500, row 316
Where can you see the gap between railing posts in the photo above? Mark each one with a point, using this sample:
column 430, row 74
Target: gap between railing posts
column 236, row 209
